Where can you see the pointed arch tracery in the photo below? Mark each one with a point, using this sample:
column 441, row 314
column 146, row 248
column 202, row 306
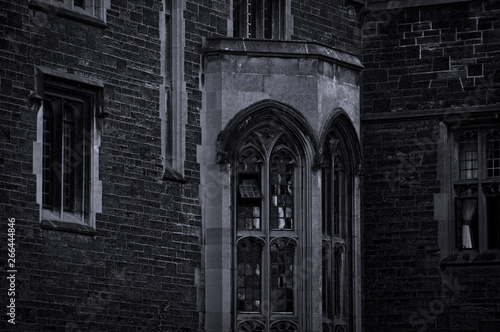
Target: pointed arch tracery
column 340, row 164
column 271, row 148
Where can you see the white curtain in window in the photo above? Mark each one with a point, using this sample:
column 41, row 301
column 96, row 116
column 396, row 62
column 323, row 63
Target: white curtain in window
column 469, row 207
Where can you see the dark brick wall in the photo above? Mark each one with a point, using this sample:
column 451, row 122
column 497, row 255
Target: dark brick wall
column 328, row 22
column 443, row 58
column 138, row 273
column 431, row 57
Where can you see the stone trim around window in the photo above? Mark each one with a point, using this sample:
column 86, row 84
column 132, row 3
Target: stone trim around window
column 94, row 16
column 84, row 221
column 445, row 202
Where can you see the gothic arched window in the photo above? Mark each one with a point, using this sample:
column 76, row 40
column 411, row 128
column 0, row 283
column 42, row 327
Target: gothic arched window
column 338, row 175
column 267, row 231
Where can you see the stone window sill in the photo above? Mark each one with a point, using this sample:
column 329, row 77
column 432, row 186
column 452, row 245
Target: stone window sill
column 472, row 257
column 67, row 227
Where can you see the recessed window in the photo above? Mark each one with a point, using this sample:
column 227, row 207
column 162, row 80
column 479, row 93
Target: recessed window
column 476, row 188
column 66, row 151
column 336, row 226
column 261, row 19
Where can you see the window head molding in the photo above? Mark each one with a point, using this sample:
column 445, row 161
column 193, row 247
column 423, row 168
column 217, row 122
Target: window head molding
column 336, row 132
column 87, row 11
column 265, row 112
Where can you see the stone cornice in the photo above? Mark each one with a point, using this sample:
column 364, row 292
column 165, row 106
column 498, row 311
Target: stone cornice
column 274, row 48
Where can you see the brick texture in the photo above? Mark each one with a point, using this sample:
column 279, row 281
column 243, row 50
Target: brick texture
column 419, row 59
column 140, row 272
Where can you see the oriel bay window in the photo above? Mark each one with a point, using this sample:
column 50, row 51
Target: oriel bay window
column 267, row 233
column 476, row 187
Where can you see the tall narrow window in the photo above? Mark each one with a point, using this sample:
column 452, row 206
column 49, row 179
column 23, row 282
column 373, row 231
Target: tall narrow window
column 337, row 222
column 476, row 183
column 266, row 236
column 172, row 92
column 68, row 146
column 261, row 19
column 66, row 155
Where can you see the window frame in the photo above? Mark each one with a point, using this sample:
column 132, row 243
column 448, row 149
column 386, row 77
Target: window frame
column 266, row 234
column 477, row 184
column 338, row 175
column 281, row 19
column 50, row 84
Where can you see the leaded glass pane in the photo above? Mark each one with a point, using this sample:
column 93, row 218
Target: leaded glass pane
column 493, row 215
column 68, row 162
column 249, row 275
column 249, row 188
column 337, row 273
column 281, row 190
column 327, row 281
column 493, row 154
column 282, row 271
column 468, row 155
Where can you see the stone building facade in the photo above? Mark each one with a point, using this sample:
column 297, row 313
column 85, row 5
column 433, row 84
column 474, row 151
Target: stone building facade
column 244, row 165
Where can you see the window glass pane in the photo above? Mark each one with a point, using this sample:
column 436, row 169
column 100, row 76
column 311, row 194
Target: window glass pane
column 47, row 156
column 493, row 154
column 281, row 190
column 282, row 266
column 268, row 18
column 493, row 215
column 327, row 202
column 252, row 12
column 68, row 159
column 327, row 282
column 337, row 273
column 236, row 18
column 249, row 275
column 468, row 154
column 79, row 3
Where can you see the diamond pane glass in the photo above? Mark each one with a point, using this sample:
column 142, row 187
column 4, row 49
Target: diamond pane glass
column 249, row 275
column 249, row 188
